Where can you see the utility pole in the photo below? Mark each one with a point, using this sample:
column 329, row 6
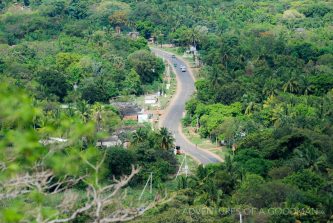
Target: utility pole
column 150, row 179
column 186, row 166
column 184, row 162
column 151, row 182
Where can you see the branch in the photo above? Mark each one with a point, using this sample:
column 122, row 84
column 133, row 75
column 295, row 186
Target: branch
column 98, row 199
column 74, row 215
column 42, row 181
column 130, row 214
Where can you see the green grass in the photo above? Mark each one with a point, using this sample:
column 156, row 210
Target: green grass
column 175, row 51
column 165, row 99
column 129, row 196
column 192, row 164
column 204, row 143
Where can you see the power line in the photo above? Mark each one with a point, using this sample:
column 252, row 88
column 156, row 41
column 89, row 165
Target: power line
column 150, row 179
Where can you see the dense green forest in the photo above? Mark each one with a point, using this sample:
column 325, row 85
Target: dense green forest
column 265, row 89
column 60, row 64
column 65, row 51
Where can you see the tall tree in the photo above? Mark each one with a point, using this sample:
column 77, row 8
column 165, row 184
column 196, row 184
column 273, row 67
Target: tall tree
column 166, row 138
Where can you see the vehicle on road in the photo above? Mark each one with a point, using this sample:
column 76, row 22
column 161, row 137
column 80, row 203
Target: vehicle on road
column 175, row 65
column 173, row 56
column 178, row 151
column 183, row 69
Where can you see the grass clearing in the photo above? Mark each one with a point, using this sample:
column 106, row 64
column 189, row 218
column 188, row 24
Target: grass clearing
column 175, row 50
column 169, row 93
column 204, row 143
column 129, row 196
column 192, row 164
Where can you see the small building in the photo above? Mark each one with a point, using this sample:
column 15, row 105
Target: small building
column 131, row 118
column 193, row 49
column 151, row 40
column 142, row 118
column 110, row 142
column 133, row 35
column 300, row 32
column 52, row 140
column 118, row 30
column 127, row 108
column 151, row 99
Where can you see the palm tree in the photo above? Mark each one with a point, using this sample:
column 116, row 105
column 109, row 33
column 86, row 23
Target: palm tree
column 167, row 140
column 271, row 87
column 83, row 109
column 250, row 108
column 279, row 116
column 307, row 87
column 97, row 111
column 310, row 157
column 291, row 86
column 193, row 37
column 215, row 79
column 139, row 136
column 182, row 182
column 248, row 104
column 225, row 59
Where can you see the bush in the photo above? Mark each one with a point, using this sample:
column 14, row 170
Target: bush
column 98, row 89
column 119, row 161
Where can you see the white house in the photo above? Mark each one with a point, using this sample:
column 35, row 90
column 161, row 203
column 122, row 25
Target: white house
column 142, row 118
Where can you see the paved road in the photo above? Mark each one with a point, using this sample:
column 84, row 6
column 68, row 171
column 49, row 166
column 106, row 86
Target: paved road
column 174, row 113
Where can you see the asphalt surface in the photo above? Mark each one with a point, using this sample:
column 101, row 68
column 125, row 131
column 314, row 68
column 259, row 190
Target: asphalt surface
column 174, row 113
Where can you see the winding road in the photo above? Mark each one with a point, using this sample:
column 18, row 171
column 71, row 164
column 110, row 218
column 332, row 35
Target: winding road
column 172, row 116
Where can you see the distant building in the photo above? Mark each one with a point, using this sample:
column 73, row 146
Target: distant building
column 300, row 30
column 133, row 35
column 110, row 142
column 151, row 40
column 52, row 140
column 118, row 29
column 127, row 108
column 142, row 118
column 193, row 49
column 118, row 138
column 131, row 118
column 151, row 99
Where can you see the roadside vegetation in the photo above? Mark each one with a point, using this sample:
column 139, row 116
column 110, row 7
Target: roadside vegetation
column 265, row 90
